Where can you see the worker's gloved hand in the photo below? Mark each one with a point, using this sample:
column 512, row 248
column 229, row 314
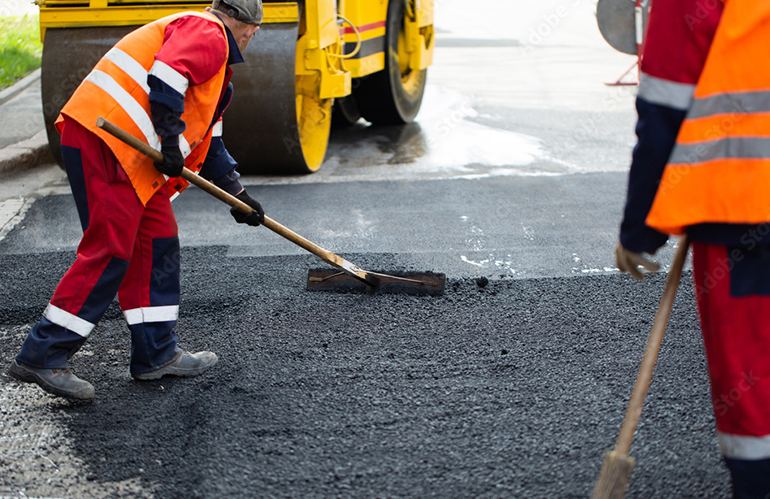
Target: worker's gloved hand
column 628, row 261
column 173, row 161
column 255, row 218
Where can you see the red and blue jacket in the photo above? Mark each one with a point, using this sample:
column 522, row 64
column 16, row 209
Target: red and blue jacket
column 678, row 39
column 194, row 47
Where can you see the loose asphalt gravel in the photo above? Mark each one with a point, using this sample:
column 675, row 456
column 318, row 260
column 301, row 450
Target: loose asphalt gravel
column 505, row 388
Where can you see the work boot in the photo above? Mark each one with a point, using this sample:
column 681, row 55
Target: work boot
column 59, row 382
column 186, row 364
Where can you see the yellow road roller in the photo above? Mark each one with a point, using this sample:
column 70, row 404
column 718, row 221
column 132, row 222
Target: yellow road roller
column 311, row 60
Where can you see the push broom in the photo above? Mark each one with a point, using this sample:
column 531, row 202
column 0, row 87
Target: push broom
column 411, row 283
column 618, row 465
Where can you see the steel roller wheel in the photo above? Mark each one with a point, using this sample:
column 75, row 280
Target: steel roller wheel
column 276, row 123
column 69, row 54
column 392, row 96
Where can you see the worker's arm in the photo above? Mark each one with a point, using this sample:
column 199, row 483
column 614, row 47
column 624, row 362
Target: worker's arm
column 676, row 46
column 193, row 51
column 656, row 130
column 220, row 168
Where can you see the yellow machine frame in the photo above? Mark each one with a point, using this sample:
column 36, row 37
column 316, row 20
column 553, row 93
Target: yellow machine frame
column 336, row 41
column 319, row 49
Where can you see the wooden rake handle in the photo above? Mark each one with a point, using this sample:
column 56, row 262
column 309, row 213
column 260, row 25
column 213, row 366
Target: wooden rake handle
column 236, row 203
column 634, row 411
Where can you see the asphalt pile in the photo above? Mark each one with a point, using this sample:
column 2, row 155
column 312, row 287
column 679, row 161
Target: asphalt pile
column 499, row 388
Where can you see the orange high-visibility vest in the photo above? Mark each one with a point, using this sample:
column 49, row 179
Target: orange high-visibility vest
column 117, row 90
column 719, row 170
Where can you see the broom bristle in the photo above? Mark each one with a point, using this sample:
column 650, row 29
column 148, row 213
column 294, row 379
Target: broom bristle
column 613, row 481
column 429, row 284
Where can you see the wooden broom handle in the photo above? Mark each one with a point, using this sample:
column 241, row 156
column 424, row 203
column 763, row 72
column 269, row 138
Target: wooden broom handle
column 224, row 196
column 654, row 341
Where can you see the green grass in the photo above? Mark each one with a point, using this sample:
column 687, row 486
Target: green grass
column 20, row 48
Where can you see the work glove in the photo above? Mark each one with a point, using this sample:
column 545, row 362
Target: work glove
column 628, row 261
column 173, row 161
column 255, row 218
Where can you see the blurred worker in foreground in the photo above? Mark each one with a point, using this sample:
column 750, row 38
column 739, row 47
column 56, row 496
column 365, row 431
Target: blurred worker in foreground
column 702, row 166
column 168, row 84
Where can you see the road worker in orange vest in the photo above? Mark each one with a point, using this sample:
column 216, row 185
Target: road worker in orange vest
column 702, row 167
column 166, row 83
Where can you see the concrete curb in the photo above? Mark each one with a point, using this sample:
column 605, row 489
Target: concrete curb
column 28, row 153
column 25, row 154
column 15, row 89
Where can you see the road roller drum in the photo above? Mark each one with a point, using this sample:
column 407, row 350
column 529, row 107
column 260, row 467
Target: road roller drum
column 305, row 57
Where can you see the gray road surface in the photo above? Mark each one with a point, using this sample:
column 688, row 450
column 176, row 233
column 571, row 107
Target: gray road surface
column 514, row 172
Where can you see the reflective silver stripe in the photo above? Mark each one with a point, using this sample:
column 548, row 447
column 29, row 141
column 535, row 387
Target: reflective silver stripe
column 135, row 110
column 665, row 93
column 735, row 103
column 170, row 77
column 216, row 130
column 137, row 73
column 151, row 314
column 723, row 148
column 62, row 318
column 747, row 448
column 130, row 66
column 184, row 146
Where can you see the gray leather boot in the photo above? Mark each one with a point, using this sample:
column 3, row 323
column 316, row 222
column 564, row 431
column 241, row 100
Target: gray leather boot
column 59, row 382
column 186, row 364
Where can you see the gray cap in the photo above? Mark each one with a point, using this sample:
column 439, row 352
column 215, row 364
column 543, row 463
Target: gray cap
column 247, row 11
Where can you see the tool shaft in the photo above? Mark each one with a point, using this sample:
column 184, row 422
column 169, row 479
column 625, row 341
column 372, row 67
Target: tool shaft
column 634, row 411
column 236, row 203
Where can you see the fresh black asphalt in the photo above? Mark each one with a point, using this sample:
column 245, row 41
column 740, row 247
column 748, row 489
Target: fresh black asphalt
column 510, row 389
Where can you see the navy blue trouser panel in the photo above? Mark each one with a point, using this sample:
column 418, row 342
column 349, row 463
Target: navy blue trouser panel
column 750, row 270
column 154, row 344
column 751, row 479
column 49, row 346
column 105, row 291
column 73, row 163
column 164, row 283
